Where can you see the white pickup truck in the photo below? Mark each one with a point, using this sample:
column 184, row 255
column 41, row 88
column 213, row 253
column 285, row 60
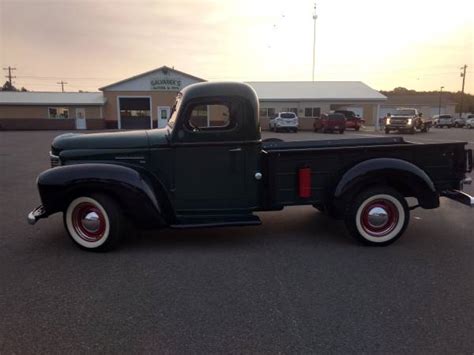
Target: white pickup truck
column 406, row 120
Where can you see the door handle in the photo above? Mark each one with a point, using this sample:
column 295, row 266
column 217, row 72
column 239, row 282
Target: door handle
column 235, row 150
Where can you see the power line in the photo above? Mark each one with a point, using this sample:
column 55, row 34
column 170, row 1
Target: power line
column 64, row 77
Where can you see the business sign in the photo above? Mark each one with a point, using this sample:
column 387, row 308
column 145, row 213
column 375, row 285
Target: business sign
column 166, row 84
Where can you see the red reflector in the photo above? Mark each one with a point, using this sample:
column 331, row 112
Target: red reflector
column 304, row 177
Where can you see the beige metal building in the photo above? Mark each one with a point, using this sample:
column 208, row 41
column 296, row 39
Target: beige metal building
column 144, row 101
column 309, row 99
column 51, row 110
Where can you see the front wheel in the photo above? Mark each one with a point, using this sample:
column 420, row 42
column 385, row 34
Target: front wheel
column 387, row 131
column 94, row 222
column 377, row 216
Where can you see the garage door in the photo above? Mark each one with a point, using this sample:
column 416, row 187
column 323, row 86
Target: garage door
column 135, row 112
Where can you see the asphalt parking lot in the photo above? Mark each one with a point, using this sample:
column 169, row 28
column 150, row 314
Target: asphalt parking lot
column 298, row 283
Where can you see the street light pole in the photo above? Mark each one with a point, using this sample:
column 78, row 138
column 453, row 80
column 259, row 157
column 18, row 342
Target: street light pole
column 314, row 39
column 439, row 106
column 463, row 75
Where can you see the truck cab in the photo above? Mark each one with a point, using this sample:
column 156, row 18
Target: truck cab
column 210, row 168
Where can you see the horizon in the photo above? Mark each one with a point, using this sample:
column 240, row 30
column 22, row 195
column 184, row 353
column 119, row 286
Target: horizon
column 91, row 44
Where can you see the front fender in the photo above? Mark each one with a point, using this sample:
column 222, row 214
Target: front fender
column 404, row 176
column 134, row 191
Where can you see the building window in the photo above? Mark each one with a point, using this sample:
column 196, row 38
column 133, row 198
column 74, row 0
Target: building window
column 312, row 111
column 290, row 109
column 267, row 112
column 209, row 116
column 58, row 112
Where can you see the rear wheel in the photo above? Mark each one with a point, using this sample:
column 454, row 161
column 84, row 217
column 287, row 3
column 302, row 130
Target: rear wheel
column 341, row 131
column 94, row 222
column 387, row 131
column 357, row 128
column 377, row 216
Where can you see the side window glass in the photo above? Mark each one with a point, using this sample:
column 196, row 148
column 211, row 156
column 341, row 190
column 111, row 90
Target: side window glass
column 212, row 116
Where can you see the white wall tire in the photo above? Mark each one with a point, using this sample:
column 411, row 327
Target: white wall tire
column 94, row 222
column 377, row 216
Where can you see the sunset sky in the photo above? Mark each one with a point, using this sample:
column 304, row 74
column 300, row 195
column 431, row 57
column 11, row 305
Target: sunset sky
column 412, row 43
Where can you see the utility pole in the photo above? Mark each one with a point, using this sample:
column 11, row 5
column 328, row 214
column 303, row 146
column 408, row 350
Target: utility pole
column 439, row 106
column 463, row 75
column 62, row 83
column 9, row 76
column 315, row 16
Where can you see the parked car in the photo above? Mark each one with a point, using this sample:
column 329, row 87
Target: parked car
column 287, row 121
column 470, row 121
column 330, row 122
column 352, row 120
column 441, row 121
column 407, row 120
column 188, row 175
column 459, row 122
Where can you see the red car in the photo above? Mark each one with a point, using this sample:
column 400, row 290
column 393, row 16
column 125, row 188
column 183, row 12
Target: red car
column 352, row 120
column 330, row 122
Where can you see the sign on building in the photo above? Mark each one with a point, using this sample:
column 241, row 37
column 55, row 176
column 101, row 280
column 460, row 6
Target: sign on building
column 165, row 84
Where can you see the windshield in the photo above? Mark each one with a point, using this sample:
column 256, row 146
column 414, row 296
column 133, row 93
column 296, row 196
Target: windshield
column 345, row 113
column 404, row 112
column 174, row 111
column 287, row 115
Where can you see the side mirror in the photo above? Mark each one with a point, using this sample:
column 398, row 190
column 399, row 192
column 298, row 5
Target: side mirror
column 420, row 114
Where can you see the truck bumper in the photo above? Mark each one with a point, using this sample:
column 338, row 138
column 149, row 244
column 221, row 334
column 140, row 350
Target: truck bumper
column 459, row 196
column 38, row 213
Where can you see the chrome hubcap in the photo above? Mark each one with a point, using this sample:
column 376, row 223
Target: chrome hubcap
column 377, row 217
column 91, row 222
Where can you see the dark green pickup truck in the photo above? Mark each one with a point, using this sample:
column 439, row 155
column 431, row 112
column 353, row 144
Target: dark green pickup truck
column 209, row 167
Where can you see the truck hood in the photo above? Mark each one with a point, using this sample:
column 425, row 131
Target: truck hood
column 112, row 140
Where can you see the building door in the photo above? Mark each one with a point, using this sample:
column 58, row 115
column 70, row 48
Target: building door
column 81, row 118
column 163, row 115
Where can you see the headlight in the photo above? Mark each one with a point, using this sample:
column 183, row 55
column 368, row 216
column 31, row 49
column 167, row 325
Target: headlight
column 388, row 120
column 410, row 121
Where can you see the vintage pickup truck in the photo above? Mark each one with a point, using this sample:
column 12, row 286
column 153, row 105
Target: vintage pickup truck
column 209, row 167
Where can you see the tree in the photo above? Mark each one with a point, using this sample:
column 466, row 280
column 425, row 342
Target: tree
column 8, row 87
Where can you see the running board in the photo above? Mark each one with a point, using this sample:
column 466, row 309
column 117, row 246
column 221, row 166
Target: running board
column 216, row 221
column 459, row 196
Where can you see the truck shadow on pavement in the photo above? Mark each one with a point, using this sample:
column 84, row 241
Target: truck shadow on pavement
column 300, row 226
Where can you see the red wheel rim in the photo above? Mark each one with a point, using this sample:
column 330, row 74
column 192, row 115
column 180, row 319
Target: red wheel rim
column 379, row 217
column 88, row 222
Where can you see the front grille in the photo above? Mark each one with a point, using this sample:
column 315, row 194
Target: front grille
column 55, row 161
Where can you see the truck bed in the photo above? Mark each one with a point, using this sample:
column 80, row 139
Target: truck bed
column 330, row 159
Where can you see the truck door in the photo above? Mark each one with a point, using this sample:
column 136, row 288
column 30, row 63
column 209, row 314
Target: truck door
column 214, row 164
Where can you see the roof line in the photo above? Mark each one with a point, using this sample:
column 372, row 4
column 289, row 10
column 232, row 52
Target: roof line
column 149, row 72
column 323, row 99
column 51, row 103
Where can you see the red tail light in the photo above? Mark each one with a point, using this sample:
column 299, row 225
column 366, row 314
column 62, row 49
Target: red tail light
column 304, row 178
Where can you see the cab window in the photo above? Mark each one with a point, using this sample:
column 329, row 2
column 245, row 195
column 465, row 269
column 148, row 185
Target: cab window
column 213, row 116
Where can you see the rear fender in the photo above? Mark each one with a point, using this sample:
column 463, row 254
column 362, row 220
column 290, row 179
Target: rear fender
column 404, row 176
column 135, row 191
